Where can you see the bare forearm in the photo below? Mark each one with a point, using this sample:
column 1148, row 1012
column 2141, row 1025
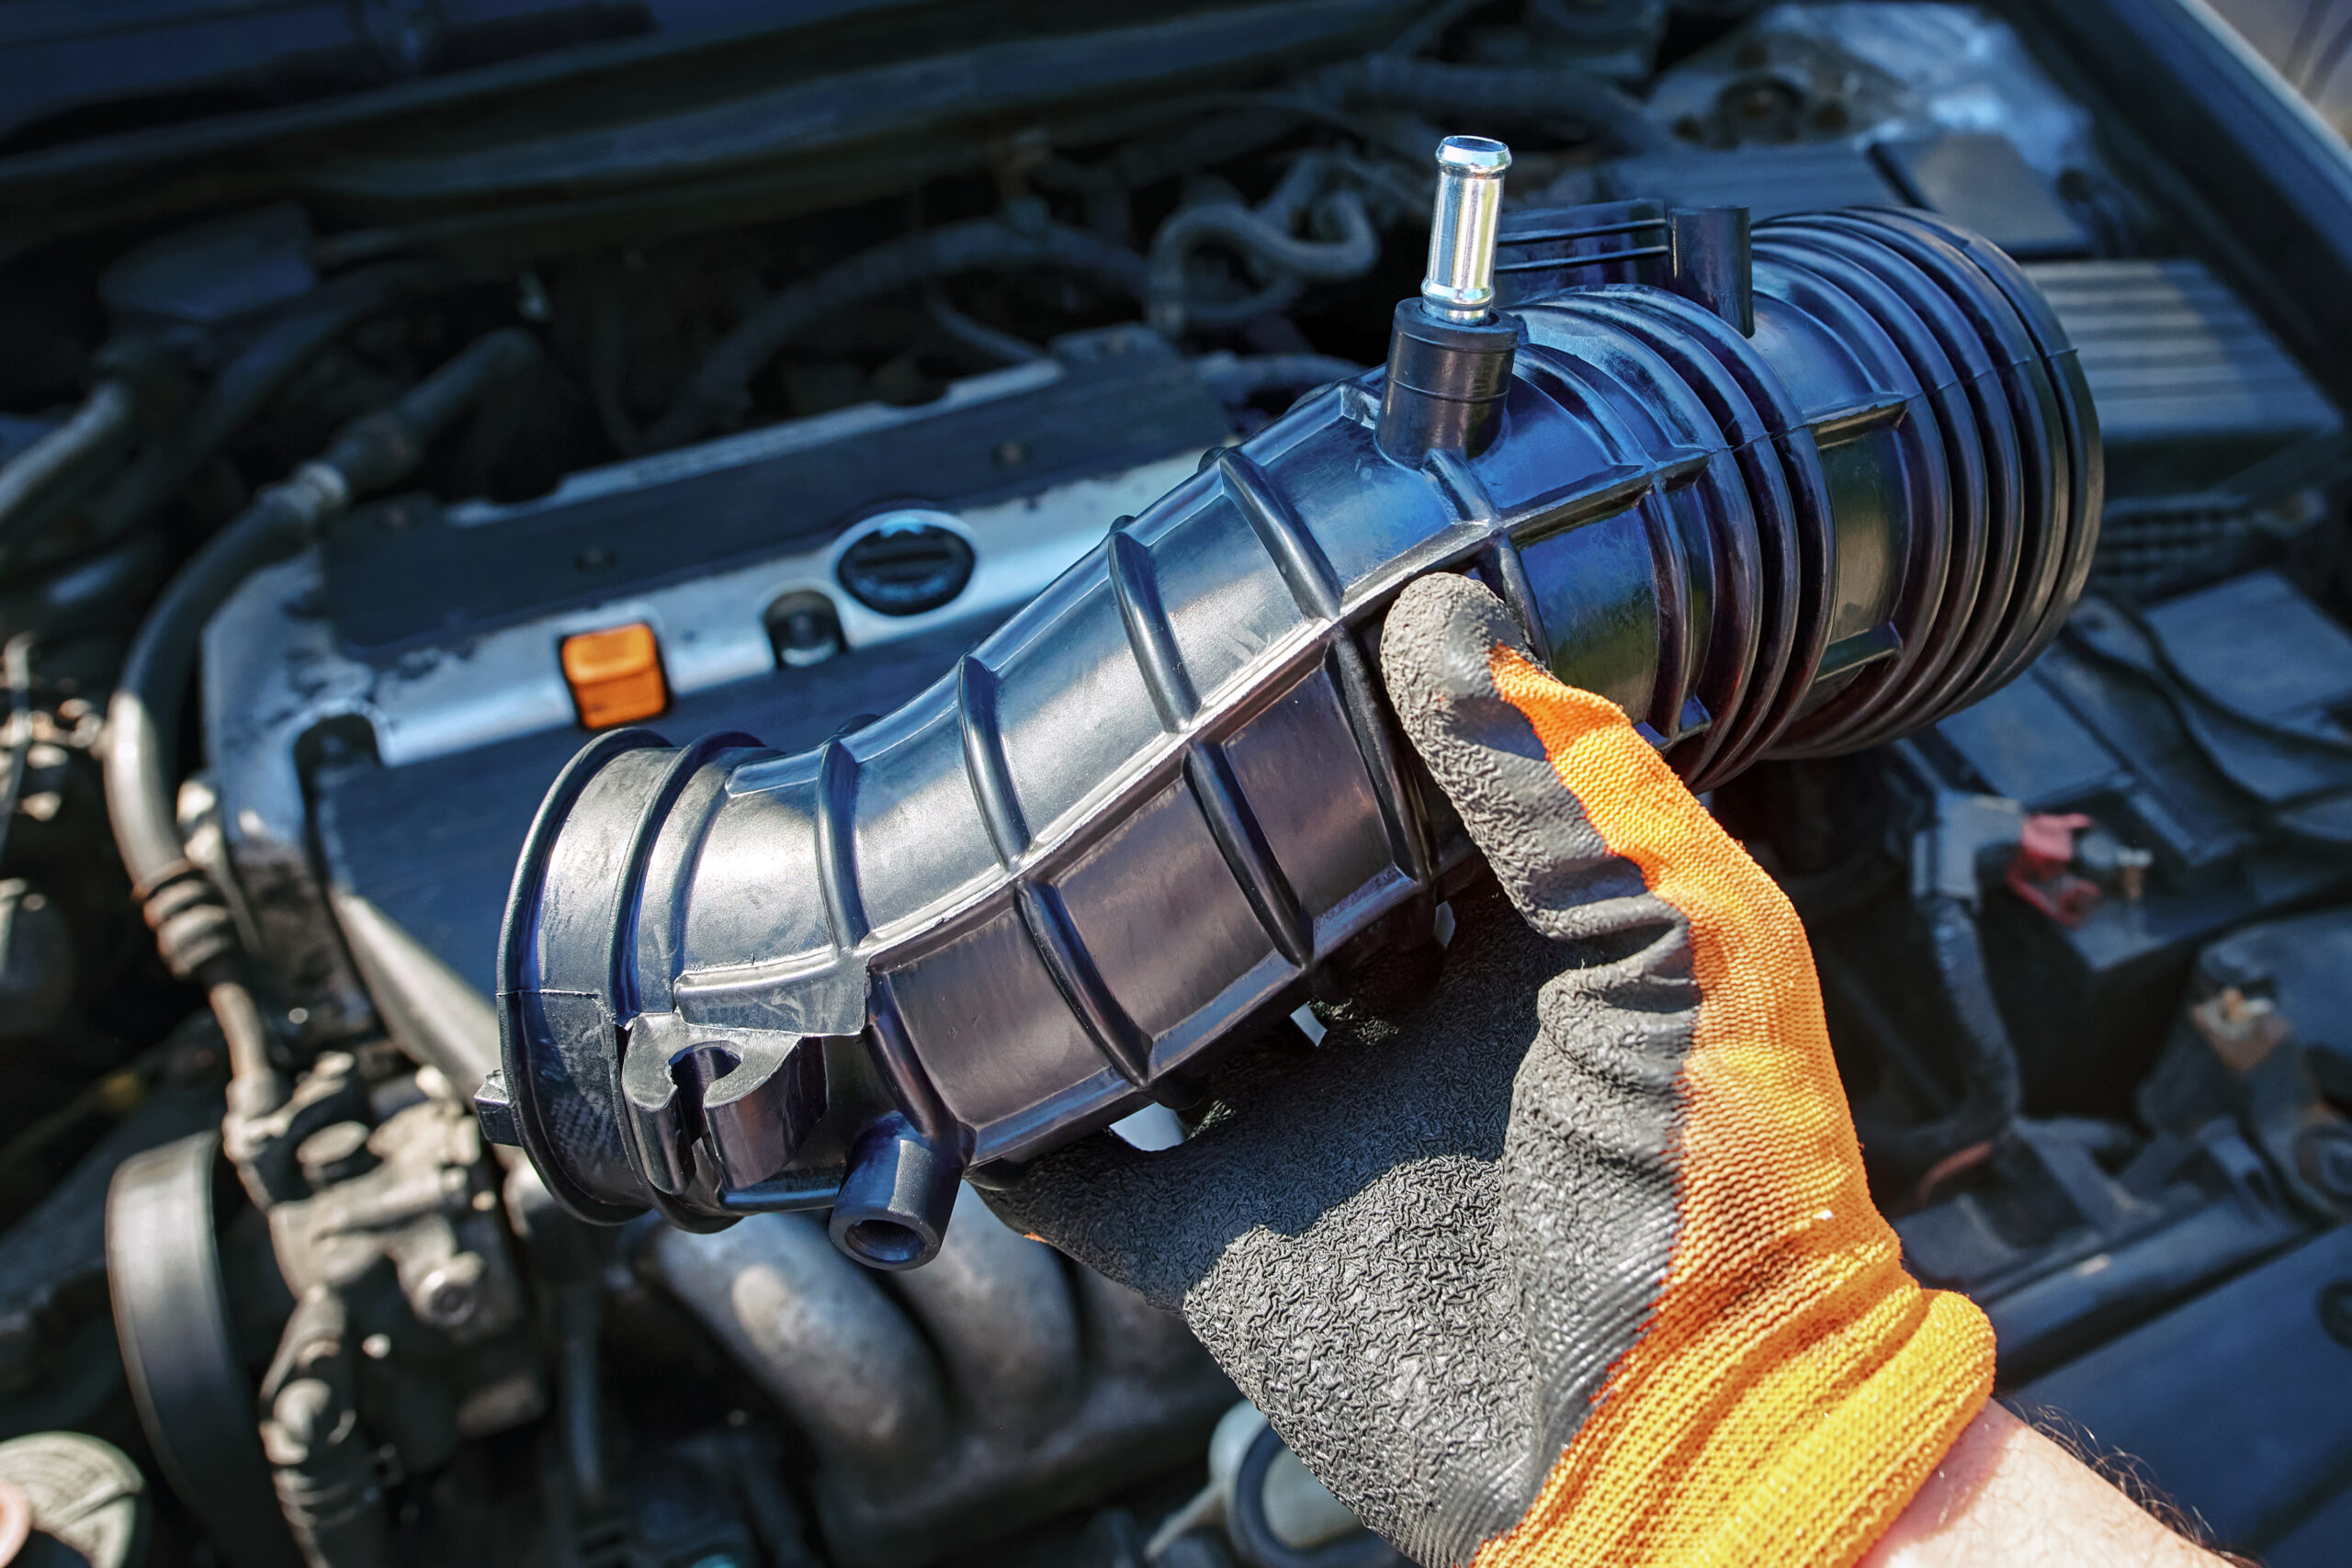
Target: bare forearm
column 2007, row 1494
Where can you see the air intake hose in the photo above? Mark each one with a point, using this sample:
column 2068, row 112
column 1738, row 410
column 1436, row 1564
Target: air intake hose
column 1165, row 798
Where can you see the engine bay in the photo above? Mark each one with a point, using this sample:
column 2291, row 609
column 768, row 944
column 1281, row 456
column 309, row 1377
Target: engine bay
column 721, row 370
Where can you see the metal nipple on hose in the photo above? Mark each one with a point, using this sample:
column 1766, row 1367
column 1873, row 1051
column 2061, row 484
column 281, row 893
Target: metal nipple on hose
column 1459, row 283
column 1450, row 358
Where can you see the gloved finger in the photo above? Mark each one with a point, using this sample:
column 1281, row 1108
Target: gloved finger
column 1734, row 1352
column 1133, row 1214
column 1088, row 1199
column 1438, row 654
column 1295, row 1133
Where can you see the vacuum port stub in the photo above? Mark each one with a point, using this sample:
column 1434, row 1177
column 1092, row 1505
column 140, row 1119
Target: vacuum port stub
column 896, row 1200
column 1450, row 356
column 1459, row 283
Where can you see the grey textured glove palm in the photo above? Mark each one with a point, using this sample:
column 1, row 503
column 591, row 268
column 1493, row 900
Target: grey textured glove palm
column 1573, row 1263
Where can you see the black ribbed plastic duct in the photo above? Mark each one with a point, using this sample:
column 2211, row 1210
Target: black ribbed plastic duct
column 1141, row 816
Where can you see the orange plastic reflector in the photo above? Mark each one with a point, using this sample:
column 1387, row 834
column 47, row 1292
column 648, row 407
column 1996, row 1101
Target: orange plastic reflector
column 616, row 675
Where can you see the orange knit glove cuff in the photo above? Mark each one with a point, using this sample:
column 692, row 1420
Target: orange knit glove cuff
column 1792, row 1387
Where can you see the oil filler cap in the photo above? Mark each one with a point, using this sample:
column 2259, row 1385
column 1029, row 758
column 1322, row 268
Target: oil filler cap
column 908, row 563
column 615, row 675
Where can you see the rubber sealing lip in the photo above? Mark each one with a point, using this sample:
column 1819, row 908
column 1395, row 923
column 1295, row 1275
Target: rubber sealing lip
column 2087, row 457
column 513, row 939
column 2041, row 322
column 652, row 817
column 626, row 950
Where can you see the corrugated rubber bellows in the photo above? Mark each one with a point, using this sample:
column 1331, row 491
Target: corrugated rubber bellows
column 1151, row 807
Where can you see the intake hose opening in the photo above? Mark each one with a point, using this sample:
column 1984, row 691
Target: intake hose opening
column 1166, row 800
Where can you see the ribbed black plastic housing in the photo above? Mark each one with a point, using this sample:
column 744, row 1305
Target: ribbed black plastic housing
column 1147, row 811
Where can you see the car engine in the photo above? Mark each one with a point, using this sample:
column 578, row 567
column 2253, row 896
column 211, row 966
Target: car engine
column 395, row 396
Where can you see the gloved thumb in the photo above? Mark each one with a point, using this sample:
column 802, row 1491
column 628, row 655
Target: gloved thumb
column 1437, row 654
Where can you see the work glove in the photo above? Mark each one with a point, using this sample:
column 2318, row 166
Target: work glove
column 1573, row 1263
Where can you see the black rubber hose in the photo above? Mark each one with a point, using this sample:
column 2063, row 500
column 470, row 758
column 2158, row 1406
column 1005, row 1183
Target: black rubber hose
column 1497, row 93
column 1990, row 1093
column 142, row 717
column 248, row 381
column 1106, row 187
column 975, row 337
column 1351, row 250
column 717, row 389
column 99, row 428
column 434, row 404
